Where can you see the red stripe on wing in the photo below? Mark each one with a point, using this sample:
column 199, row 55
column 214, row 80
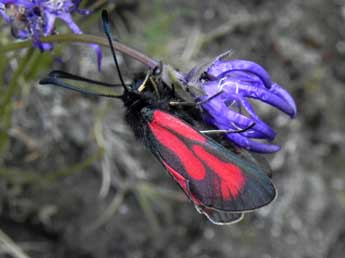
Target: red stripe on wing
column 192, row 164
column 232, row 179
column 183, row 182
column 176, row 125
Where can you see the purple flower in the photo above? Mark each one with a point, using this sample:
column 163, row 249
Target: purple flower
column 36, row 18
column 3, row 13
column 228, row 84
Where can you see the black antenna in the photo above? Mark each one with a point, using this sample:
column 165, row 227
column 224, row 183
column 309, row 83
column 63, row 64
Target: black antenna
column 106, row 28
column 62, row 84
column 65, row 75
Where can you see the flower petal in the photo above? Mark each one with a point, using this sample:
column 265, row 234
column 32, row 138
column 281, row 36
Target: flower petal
column 268, row 97
column 219, row 69
column 278, row 90
column 49, row 26
column 3, row 14
column 222, row 116
column 251, row 145
column 275, row 96
column 243, row 141
column 98, row 50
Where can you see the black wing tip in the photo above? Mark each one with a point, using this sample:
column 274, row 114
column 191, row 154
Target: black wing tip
column 264, row 196
column 252, row 199
column 269, row 195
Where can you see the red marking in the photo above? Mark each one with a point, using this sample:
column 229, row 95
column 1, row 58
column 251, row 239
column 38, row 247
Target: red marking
column 178, row 177
column 192, row 164
column 232, row 179
column 182, row 182
column 170, row 122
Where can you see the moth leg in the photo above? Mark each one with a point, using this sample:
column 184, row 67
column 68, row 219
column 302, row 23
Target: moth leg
column 194, row 104
column 210, row 132
column 183, row 103
column 143, row 84
column 151, row 76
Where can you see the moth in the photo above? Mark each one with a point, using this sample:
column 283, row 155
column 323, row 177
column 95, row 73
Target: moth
column 221, row 183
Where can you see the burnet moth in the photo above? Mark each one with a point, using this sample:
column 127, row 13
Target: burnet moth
column 222, row 184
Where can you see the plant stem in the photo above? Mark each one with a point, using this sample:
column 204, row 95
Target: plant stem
column 89, row 39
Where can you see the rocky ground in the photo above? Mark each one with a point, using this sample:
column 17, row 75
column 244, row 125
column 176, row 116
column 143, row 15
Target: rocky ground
column 124, row 204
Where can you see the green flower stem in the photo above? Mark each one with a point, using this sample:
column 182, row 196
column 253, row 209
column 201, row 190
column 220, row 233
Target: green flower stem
column 13, row 85
column 89, row 39
column 6, row 106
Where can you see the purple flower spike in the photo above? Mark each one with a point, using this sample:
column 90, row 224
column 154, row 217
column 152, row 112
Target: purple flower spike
column 227, row 85
column 36, row 18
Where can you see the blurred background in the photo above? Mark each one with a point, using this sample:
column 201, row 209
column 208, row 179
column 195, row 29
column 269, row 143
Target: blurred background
column 75, row 183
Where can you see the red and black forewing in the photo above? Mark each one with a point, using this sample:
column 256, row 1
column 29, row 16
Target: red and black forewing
column 210, row 175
